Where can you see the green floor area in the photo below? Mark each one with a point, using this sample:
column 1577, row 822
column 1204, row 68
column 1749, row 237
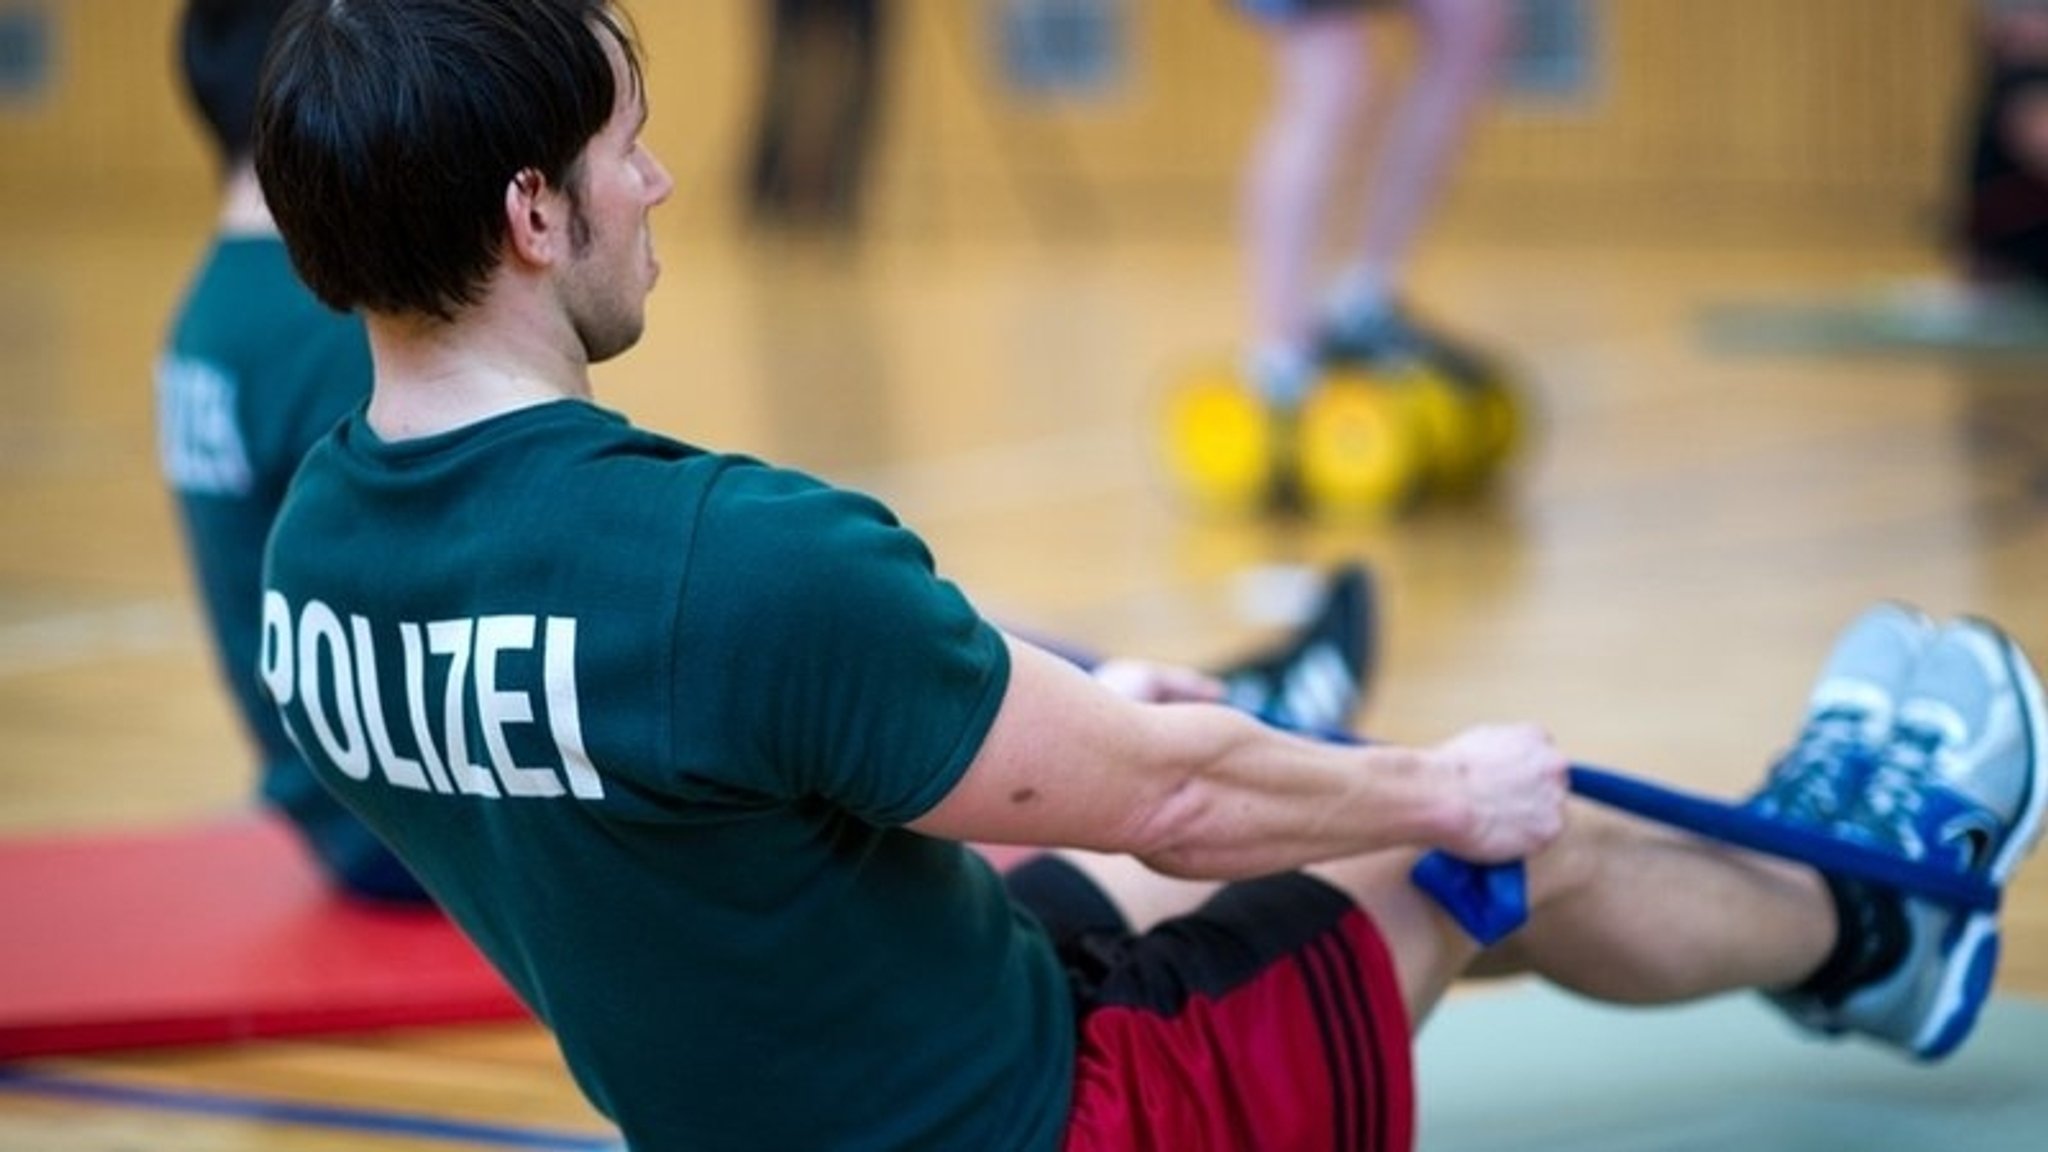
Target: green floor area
column 1905, row 318
column 1529, row 1069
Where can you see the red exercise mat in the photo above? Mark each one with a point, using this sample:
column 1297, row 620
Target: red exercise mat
column 212, row 933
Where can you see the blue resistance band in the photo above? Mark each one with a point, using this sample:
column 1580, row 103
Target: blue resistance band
column 1490, row 901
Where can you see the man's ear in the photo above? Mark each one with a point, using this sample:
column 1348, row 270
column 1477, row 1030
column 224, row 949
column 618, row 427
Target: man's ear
column 536, row 220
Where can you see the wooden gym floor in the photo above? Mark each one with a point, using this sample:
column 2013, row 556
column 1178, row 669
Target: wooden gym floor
column 1656, row 579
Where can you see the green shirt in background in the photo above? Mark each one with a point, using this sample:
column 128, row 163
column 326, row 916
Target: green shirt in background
column 254, row 372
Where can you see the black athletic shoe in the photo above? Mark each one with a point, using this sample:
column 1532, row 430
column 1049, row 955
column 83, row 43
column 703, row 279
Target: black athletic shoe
column 1315, row 679
column 1392, row 338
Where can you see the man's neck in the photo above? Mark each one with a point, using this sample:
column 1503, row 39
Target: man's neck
column 434, row 377
column 243, row 211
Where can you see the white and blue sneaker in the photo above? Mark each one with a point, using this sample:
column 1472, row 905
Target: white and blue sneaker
column 1956, row 787
column 1849, row 717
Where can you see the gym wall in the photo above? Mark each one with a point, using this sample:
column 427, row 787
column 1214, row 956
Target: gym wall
column 1821, row 119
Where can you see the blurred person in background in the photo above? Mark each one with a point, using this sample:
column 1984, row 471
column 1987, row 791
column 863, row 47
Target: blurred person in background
column 2001, row 229
column 1322, row 56
column 814, row 123
column 253, row 372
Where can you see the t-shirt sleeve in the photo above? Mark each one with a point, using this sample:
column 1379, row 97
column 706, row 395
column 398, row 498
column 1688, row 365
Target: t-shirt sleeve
column 821, row 656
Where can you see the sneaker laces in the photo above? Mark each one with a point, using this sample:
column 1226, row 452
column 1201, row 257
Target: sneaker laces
column 1805, row 785
column 1888, row 809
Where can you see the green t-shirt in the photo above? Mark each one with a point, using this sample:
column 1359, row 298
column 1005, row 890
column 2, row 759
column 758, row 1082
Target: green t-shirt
column 254, row 371
column 647, row 721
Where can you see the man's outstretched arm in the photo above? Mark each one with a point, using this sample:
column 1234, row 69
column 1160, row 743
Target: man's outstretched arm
column 1202, row 791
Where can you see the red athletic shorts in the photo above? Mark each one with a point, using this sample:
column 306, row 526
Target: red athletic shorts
column 1269, row 1019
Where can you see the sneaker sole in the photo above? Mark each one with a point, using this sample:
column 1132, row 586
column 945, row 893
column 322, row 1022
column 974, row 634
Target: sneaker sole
column 1965, row 986
column 1973, row 962
column 2026, row 828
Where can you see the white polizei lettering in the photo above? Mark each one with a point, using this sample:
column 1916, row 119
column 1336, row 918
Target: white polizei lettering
column 320, row 628
column 416, row 706
column 316, row 667
column 199, row 444
column 274, row 661
column 402, row 772
column 565, row 715
column 497, row 708
column 451, row 638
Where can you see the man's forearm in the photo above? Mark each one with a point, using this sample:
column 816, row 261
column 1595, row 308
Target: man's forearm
column 1246, row 800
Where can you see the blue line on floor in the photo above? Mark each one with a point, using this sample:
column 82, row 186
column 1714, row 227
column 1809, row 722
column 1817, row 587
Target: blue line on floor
column 310, row 1115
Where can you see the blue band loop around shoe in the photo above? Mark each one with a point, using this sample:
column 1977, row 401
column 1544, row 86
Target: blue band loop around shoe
column 1489, row 901
column 1745, row 828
